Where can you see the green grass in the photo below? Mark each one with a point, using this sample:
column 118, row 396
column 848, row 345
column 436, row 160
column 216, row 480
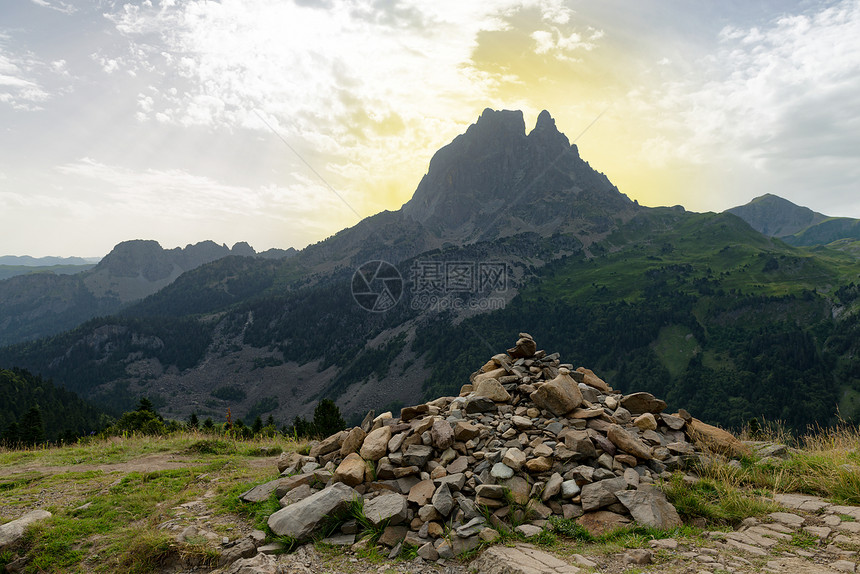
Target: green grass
column 118, row 529
column 675, row 346
column 826, row 464
column 720, row 499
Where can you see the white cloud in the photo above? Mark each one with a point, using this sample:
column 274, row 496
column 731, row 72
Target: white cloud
column 190, row 196
column 58, row 6
column 18, row 87
column 780, row 98
column 361, row 88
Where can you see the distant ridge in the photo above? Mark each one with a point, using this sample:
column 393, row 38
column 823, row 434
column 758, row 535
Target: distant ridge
column 29, row 261
column 776, row 217
column 34, row 305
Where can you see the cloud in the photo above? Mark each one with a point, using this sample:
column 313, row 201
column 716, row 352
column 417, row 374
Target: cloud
column 369, row 86
column 779, row 98
column 190, row 196
column 58, row 6
column 18, row 87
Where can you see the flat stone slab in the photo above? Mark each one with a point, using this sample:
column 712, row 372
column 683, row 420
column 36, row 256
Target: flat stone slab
column 520, row 559
column 801, row 502
column 787, row 518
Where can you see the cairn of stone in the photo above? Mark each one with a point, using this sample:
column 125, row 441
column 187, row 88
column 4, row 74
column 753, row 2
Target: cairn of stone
column 528, row 438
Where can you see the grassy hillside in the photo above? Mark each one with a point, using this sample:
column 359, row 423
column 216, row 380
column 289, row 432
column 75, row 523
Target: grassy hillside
column 697, row 308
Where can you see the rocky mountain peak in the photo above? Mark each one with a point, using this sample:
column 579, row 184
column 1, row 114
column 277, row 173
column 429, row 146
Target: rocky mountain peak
column 495, row 180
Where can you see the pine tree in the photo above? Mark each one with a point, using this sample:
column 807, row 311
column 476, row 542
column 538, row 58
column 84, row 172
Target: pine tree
column 11, row 435
column 32, row 427
column 192, row 421
column 145, row 405
column 258, row 425
column 327, row 418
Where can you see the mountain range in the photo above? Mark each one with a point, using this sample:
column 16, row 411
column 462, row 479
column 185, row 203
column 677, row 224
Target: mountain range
column 507, row 231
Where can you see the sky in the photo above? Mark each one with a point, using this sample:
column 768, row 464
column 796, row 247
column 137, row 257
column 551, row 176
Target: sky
column 280, row 122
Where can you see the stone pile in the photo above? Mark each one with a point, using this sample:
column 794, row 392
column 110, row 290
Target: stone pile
column 528, row 438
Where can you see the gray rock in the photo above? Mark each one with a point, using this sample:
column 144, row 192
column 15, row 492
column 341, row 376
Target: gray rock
column 520, row 559
column 300, row 519
column 259, row 564
column 553, row 487
column 569, row 489
column 480, row 405
column 12, row 532
column 261, row 492
column 501, row 471
column 528, row 530
column 442, row 501
column 649, row 507
column 599, row 494
column 392, row 507
column 460, row 544
column 244, row 548
column 417, row 455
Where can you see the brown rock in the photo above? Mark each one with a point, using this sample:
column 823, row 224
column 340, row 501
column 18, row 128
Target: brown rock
column 392, row 535
column 422, row 493
column 715, row 439
column 464, row 431
column 539, row 464
column 409, row 413
column 559, row 396
column 525, row 348
column 442, row 434
column 602, row 521
column 351, row 470
column 638, row 403
column 488, row 376
column 375, row 445
column 628, row 443
column 492, row 389
column 592, row 380
column 328, row 445
column 645, row 422
column 353, row 440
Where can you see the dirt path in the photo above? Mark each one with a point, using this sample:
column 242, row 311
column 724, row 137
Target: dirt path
column 146, row 463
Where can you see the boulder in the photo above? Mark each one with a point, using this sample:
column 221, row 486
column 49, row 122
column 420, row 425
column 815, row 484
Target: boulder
column 493, row 390
column 352, row 441
column 648, row 506
column 299, row 520
column 639, row 403
column 391, row 507
column 592, row 380
column 464, row 431
column 351, row 470
column 375, row 444
column 559, row 396
column 261, row 492
column 715, row 439
column 328, row 445
column 442, row 434
column 602, row 521
column 628, row 443
column 601, row 493
column 12, row 532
